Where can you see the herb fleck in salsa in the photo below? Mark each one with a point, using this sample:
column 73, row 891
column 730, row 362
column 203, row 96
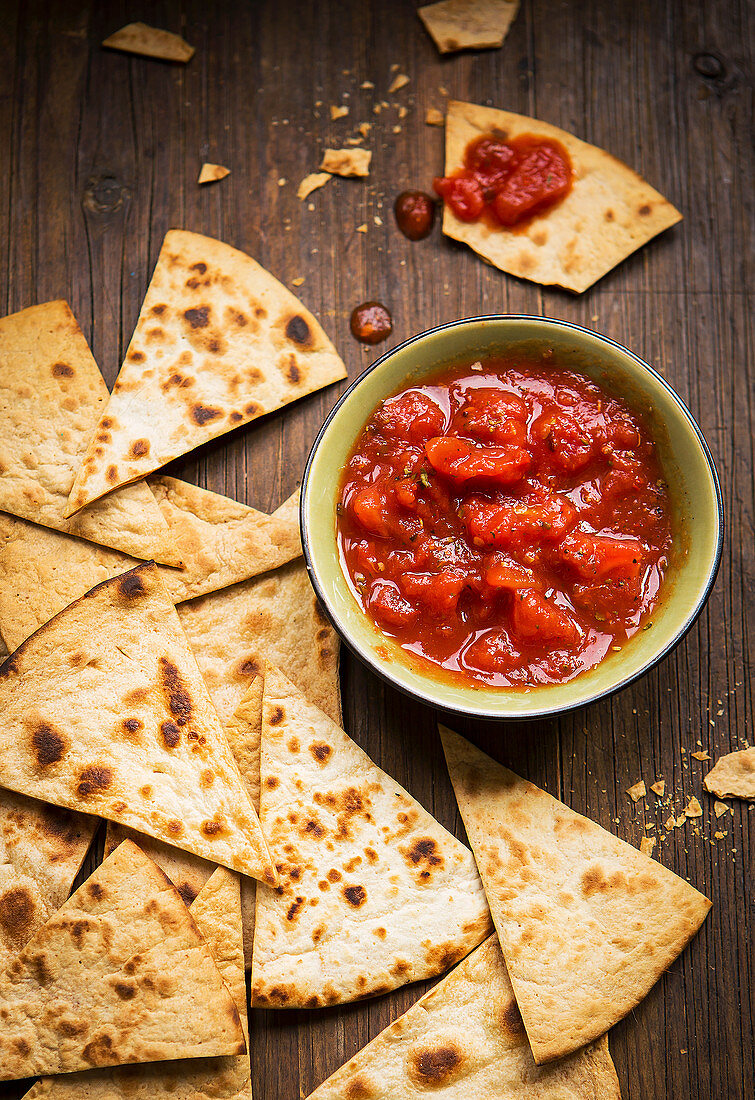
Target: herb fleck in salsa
column 508, row 521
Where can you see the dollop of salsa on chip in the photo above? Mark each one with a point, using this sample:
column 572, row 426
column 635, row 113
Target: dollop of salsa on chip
column 507, row 521
column 507, row 181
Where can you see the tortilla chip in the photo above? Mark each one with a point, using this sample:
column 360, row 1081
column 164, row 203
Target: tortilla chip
column 434, row 117
column 274, row 617
column 189, row 873
column 210, row 173
column 609, row 213
column 347, row 162
column 373, row 891
column 105, row 711
column 51, row 395
column 120, row 974
column 468, row 24
column 733, row 775
column 587, row 923
column 464, row 1039
column 41, row 852
column 311, row 183
column 218, row 917
column 219, row 342
column 150, row 42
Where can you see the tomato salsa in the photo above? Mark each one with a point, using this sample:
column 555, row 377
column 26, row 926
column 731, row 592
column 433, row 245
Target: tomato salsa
column 507, row 521
column 506, row 182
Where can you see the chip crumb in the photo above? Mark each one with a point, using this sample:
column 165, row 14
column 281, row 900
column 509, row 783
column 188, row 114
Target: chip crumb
column 362, row 228
column 150, row 41
column 347, row 162
column 403, row 112
column 377, row 220
column 396, row 129
column 681, row 820
column 311, row 182
column 209, row 173
column 443, row 90
column 637, row 791
column 282, row 181
column 719, row 835
column 310, row 206
column 647, row 844
column 395, row 68
column 701, row 755
column 434, row 117
column 338, row 112
column 659, row 787
column 297, row 282
column 366, row 84
column 364, row 128
column 376, row 109
column 354, row 140
column 398, row 82
column 693, row 808
column 720, row 808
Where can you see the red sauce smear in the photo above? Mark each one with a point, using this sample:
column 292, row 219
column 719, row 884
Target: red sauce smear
column 507, row 521
column 507, row 182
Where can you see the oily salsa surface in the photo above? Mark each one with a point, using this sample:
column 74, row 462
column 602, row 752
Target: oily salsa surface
column 507, row 521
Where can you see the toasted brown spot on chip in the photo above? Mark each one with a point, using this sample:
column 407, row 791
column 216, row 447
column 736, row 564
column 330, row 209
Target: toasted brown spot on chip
column 314, row 828
column 136, row 696
column 335, row 876
column 136, row 356
column 298, row 330
column 131, row 585
column 139, row 448
column 293, row 909
column 176, row 693
column 358, row 1089
column 213, row 828
column 253, row 409
column 158, row 310
column 99, row 1051
column 171, row 734
column 132, row 725
column 48, row 743
column 198, row 317
column 96, row 891
column 381, row 933
column 609, row 215
column 235, row 417
column 112, row 473
column 511, row 1019
column 271, row 782
column 320, row 751
column 293, row 744
column 644, row 210
column 236, row 317
column 435, row 1065
column 94, row 778
column 355, row 895
column 62, row 370
column 277, row 715
column 204, row 414
column 125, row 990
column 175, row 827
column 187, row 892
column 16, row 912
column 424, row 850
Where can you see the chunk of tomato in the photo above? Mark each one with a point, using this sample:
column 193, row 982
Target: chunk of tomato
column 463, row 194
column 594, row 557
column 386, row 603
column 542, row 176
column 466, row 461
column 492, row 416
column 438, row 592
column 411, row 415
column 571, row 447
column 536, row 620
column 509, row 524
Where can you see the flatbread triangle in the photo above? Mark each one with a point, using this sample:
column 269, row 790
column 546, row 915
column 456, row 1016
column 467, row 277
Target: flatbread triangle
column 587, row 923
column 217, row 914
column 104, row 710
column 373, row 891
column 219, row 342
column 609, row 213
column 51, row 397
column 464, row 1040
column 188, row 872
column 42, row 849
column 119, row 974
column 468, row 24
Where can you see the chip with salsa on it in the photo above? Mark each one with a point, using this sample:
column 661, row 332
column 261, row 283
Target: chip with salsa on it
column 538, row 203
column 507, row 521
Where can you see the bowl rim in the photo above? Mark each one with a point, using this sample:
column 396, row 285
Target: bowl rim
column 550, row 711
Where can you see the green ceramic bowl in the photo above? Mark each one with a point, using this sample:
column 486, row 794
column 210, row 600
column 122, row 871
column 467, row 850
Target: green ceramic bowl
column 686, row 460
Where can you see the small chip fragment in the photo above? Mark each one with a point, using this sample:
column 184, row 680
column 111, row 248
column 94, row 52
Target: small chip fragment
column 693, row 808
column 681, row 820
column 399, row 81
column 719, row 835
column 297, row 282
column 209, row 173
column 637, row 791
column 150, row 42
column 701, row 755
column 659, row 787
column 354, row 140
column 311, row 182
column 733, row 775
column 338, row 112
column 647, row 844
column 434, row 117
column 366, row 84
column 364, row 128
column 361, row 228
column 347, row 162
column 468, row 24
column 720, row 808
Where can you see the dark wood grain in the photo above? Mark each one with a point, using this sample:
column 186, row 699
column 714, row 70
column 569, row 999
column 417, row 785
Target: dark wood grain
column 99, row 155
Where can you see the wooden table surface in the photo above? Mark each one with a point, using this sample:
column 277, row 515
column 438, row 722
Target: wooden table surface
column 99, row 154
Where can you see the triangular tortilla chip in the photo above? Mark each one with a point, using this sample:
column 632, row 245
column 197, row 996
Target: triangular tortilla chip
column 219, row 342
column 104, row 710
column 468, row 24
column 733, row 775
column 218, row 918
column 150, row 42
column 373, row 892
column 221, row 543
column 189, row 873
column 464, row 1039
column 275, row 617
column 119, row 974
column 608, row 214
column 211, row 173
column 587, row 924
column 41, row 851
column 51, row 396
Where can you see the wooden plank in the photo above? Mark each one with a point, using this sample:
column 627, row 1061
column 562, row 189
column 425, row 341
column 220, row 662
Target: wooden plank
column 102, row 151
